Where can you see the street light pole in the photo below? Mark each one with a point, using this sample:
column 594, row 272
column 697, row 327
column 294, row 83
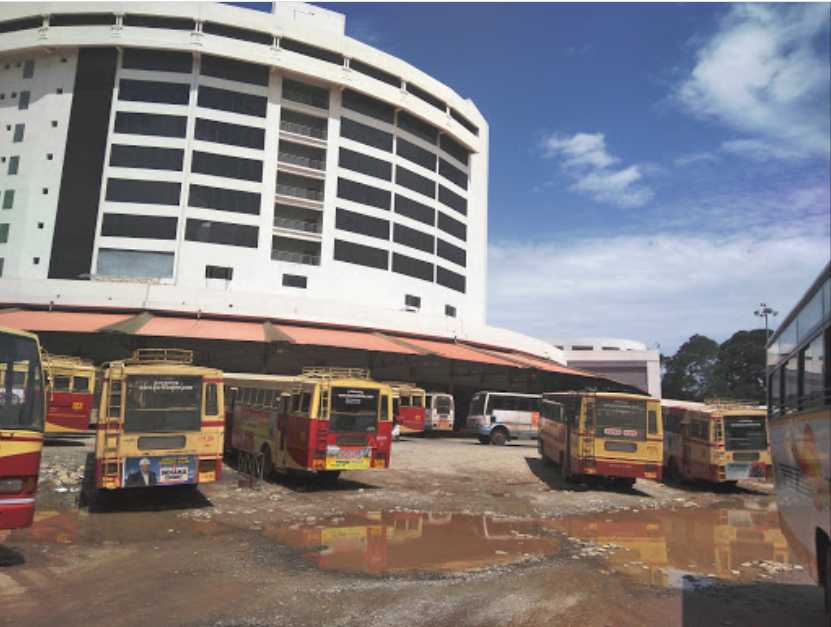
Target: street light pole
column 763, row 312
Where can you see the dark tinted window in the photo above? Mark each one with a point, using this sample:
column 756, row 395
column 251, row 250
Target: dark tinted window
column 361, row 255
column 311, row 51
column 230, row 167
column 230, row 69
column 152, row 21
column 365, row 134
column 449, row 310
column 128, row 225
column 302, row 124
column 450, row 279
column 23, row 100
column 450, row 252
column 452, row 200
column 413, row 125
column 153, row 91
column 158, row 60
column 235, row 102
column 149, row 157
column 412, row 301
column 402, row 264
column 424, row 158
column 427, row 97
column 233, row 32
column 464, row 121
column 221, row 233
column 452, row 226
column 415, row 210
column 151, row 124
column 374, row 72
column 365, row 164
column 368, row 106
column 415, row 182
column 233, row 134
column 82, row 19
column 148, row 192
column 224, row 199
column 360, row 223
column 24, row 24
column 294, row 280
column 452, row 173
column 219, row 272
column 413, row 238
column 364, row 194
column 304, row 93
column 454, row 148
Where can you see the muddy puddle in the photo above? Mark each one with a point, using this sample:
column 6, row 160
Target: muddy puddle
column 670, row 548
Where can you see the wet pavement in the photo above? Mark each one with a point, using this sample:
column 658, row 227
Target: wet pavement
column 293, row 553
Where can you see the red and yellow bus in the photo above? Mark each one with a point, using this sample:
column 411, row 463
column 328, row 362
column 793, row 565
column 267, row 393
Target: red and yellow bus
column 717, row 442
column 613, row 435
column 409, row 407
column 70, row 385
column 799, row 422
column 160, row 422
column 22, row 404
column 324, row 420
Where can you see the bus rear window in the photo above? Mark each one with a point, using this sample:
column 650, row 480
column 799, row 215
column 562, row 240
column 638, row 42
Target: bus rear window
column 60, row 383
column 354, row 410
column 745, row 433
column 621, row 418
column 443, row 404
column 163, row 403
column 80, row 384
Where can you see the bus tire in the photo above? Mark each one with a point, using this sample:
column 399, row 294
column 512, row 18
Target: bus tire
column 499, row 436
column 484, row 439
column 328, row 477
column 673, row 476
column 826, row 580
column 565, row 468
column 268, row 464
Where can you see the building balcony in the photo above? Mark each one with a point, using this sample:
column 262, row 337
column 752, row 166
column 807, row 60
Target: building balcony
column 307, row 226
column 301, row 160
column 305, row 130
column 295, row 257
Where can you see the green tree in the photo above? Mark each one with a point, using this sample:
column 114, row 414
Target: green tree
column 740, row 368
column 688, row 375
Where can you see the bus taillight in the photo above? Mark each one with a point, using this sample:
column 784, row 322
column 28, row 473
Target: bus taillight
column 18, row 485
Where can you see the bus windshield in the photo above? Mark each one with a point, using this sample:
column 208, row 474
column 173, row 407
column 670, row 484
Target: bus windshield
column 21, row 383
column 621, row 418
column 745, row 433
column 162, row 403
column 443, row 404
column 354, row 410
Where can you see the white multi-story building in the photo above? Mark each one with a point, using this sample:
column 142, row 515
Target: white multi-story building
column 207, row 158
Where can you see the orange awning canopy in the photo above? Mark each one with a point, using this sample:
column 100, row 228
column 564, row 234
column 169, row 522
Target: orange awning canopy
column 359, row 340
column 44, row 321
column 233, row 330
column 544, row 364
column 455, row 350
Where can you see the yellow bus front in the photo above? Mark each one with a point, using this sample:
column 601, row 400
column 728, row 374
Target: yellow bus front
column 159, row 426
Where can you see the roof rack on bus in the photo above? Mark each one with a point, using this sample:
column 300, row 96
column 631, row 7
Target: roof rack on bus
column 335, row 373
column 727, row 404
column 164, row 355
column 69, row 360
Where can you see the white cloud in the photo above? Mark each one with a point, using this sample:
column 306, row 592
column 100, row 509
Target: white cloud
column 651, row 288
column 692, row 158
column 764, row 73
column 586, row 160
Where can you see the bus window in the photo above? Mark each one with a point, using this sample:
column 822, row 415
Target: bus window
column 60, row 383
column 80, row 384
column 406, row 401
column 385, row 407
column 305, row 403
column 417, row 401
column 775, row 390
column 284, row 404
column 211, row 400
column 791, row 385
column 813, row 380
column 295, row 402
column 260, row 397
column 653, row 421
column 477, row 405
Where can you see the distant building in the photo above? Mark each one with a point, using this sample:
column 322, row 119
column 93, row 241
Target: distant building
column 626, row 361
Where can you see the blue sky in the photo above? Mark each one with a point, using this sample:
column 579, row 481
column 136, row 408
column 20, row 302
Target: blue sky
column 655, row 170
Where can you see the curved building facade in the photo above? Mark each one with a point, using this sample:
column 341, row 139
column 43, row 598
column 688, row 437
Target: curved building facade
column 206, row 158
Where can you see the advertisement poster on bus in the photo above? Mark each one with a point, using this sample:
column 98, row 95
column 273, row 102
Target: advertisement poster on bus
column 162, row 470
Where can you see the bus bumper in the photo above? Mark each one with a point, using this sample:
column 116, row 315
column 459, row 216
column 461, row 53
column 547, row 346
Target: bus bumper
column 17, row 513
column 628, row 470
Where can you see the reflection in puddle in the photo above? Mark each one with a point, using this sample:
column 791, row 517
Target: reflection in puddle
column 394, row 542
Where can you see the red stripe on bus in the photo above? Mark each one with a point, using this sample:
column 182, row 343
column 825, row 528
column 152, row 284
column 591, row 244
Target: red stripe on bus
column 20, row 465
column 213, row 423
column 21, row 438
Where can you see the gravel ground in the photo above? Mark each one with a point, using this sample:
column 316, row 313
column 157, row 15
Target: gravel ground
column 455, row 533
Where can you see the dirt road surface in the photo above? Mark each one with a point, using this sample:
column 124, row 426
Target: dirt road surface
column 456, row 533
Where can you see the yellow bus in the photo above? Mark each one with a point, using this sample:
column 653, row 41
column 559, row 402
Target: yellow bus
column 22, row 406
column 160, row 422
column 614, row 435
column 718, row 442
column 324, row 420
column 799, row 421
column 71, row 386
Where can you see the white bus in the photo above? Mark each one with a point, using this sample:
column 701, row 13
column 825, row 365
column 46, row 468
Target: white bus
column 799, row 420
column 497, row 417
column 440, row 412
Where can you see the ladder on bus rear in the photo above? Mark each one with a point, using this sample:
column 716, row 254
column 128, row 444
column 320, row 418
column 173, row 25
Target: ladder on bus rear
column 110, row 459
column 587, row 440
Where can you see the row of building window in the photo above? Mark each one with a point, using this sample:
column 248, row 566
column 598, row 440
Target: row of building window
column 171, row 61
column 164, row 228
column 167, row 193
column 372, row 257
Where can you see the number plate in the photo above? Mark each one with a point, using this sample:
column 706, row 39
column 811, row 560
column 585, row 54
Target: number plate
column 339, row 458
column 734, row 472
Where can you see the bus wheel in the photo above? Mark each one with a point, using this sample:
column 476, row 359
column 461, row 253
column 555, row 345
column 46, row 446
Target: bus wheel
column 484, row 439
column 499, row 437
column 565, row 469
column 672, row 471
column 626, row 482
column 268, row 464
column 328, row 476
column 827, row 578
